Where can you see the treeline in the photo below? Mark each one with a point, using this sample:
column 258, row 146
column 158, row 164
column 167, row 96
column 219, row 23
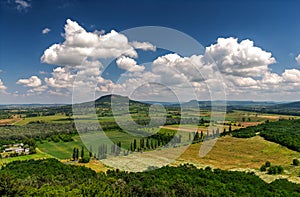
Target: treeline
column 283, row 132
column 38, row 131
column 51, row 178
column 35, row 111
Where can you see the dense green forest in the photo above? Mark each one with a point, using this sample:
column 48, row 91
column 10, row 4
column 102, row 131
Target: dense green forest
column 51, row 177
column 284, row 132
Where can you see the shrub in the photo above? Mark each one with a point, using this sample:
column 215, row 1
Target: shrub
column 268, row 164
column 275, row 170
column 263, row 168
column 296, row 162
column 84, row 160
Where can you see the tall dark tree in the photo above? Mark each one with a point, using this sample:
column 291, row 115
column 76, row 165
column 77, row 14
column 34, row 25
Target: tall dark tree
column 131, row 146
column 196, row 138
column 74, row 154
column 142, row 144
column 134, row 144
column 147, row 144
column 82, row 152
column 91, row 151
column 77, row 153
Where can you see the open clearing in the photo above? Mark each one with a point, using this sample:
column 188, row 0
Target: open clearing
column 228, row 154
column 64, row 150
column 38, row 155
column 59, row 118
column 236, row 153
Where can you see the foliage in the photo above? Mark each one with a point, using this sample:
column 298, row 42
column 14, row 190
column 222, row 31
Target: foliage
column 37, row 131
column 284, row 132
column 296, row 162
column 275, row 170
column 268, row 164
column 52, row 178
column 263, row 168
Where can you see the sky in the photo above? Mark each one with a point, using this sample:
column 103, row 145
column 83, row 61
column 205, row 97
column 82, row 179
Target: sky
column 61, row 51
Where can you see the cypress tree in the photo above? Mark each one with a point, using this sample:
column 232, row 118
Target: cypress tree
column 74, row 154
column 77, row 153
column 147, row 144
column 82, row 152
column 91, row 151
column 134, row 144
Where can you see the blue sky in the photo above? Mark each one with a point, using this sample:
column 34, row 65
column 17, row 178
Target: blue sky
column 272, row 26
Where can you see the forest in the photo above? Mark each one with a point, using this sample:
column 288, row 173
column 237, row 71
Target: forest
column 51, row 177
column 283, row 132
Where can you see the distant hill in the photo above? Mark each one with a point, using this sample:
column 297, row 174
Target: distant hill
column 26, row 106
column 293, row 105
column 105, row 101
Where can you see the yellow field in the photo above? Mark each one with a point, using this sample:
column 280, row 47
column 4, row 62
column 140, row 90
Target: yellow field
column 245, row 154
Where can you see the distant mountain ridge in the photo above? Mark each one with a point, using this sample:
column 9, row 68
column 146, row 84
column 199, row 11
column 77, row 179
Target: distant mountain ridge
column 107, row 99
column 292, row 105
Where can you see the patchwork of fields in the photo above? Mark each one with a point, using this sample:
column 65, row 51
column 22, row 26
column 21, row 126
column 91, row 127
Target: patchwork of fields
column 228, row 153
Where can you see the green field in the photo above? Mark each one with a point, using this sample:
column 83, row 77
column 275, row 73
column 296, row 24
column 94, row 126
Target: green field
column 38, row 155
column 64, row 150
column 59, row 118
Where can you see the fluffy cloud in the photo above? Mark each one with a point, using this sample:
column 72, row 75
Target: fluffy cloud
column 22, row 5
column 244, row 67
column 46, row 30
column 129, row 64
column 33, row 81
column 298, row 59
column 34, row 84
column 80, row 44
column 146, row 46
column 271, row 78
column 2, row 86
column 61, row 78
column 239, row 59
column 291, row 75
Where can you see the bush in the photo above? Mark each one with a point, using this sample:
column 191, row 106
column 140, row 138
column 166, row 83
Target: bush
column 296, row 162
column 275, row 170
column 268, row 164
column 84, row 160
column 263, row 168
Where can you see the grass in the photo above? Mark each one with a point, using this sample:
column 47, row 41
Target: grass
column 59, row 118
column 238, row 115
column 38, row 155
column 64, row 150
column 229, row 153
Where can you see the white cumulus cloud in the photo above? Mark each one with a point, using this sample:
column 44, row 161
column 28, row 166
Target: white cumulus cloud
column 33, row 81
column 129, row 64
column 46, row 30
column 240, row 59
column 291, row 75
column 298, row 59
column 80, row 44
column 2, row 86
column 146, row 46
